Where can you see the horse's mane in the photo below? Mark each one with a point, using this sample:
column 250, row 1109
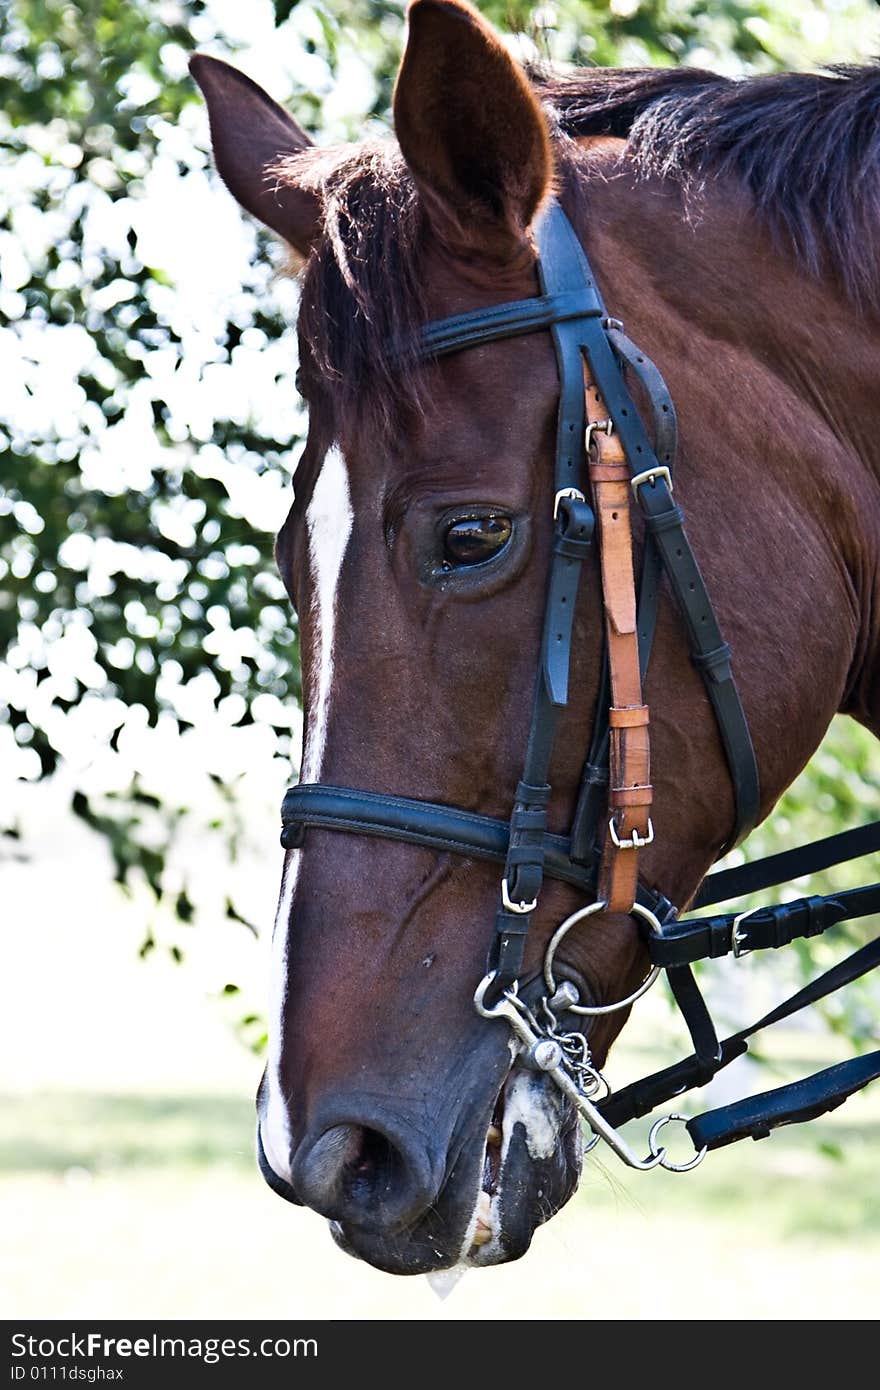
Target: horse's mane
column 805, row 145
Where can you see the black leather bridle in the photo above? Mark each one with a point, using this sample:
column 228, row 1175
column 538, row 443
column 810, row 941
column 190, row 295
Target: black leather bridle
column 571, row 308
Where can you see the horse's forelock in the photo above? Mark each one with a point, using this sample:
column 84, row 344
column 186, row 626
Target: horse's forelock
column 362, row 287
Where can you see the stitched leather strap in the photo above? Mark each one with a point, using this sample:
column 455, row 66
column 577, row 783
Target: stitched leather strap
column 629, row 790
column 767, row 928
column 507, row 320
column 757, row 1116
column 561, row 266
column 445, row 829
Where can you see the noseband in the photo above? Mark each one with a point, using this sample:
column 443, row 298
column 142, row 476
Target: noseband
column 604, row 457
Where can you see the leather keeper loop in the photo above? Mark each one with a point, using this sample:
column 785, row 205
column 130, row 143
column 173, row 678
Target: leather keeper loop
column 610, row 472
column 511, row 923
column 664, row 521
column 528, row 794
column 716, row 662
column 575, row 519
column 628, row 716
column 528, row 819
column 572, row 547
column 531, row 854
column 631, row 796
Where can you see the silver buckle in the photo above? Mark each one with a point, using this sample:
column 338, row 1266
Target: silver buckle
column 597, row 427
column 636, row 842
column 573, row 492
column 737, row 937
column 520, row 908
column 649, row 475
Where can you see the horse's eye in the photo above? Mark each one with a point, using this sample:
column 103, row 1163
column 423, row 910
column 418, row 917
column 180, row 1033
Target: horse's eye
column 475, row 538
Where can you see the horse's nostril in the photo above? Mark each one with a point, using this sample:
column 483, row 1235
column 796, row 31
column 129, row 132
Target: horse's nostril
column 377, row 1169
column 324, row 1166
column 356, row 1173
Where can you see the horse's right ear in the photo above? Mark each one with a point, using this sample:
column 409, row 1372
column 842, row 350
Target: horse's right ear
column 471, row 129
column 250, row 133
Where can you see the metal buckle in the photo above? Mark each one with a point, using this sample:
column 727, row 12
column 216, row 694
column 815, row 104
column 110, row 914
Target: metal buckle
column 737, row 937
column 659, row 471
column 520, row 908
column 597, row 427
column 573, row 492
column 637, row 841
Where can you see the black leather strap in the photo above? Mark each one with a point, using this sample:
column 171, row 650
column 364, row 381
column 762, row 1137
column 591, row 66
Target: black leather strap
column 692, row 1005
column 757, row 1116
column 509, row 320
column 561, row 267
column 645, row 1095
column 767, row 928
column 445, row 829
column 790, row 864
column 662, row 406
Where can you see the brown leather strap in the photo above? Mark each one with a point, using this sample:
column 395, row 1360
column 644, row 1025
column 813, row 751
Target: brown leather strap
column 629, row 797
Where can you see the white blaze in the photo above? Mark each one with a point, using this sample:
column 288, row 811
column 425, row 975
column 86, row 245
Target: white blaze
column 328, row 521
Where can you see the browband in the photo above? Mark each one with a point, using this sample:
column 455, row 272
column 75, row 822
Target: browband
column 506, row 321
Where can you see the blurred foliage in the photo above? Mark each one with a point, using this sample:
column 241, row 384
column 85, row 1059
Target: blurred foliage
column 148, row 432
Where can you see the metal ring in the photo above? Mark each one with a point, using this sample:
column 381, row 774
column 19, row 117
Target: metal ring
column 656, row 1149
column 563, row 930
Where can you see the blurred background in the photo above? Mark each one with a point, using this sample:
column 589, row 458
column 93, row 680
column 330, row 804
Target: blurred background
column 149, row 718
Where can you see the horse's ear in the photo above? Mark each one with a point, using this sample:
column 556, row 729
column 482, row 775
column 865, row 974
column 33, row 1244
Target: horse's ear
column 470, row 128
column 250, row 133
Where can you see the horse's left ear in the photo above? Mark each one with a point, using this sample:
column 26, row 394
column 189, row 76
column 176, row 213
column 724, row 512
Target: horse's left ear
column 470, row 128
column 250, row 134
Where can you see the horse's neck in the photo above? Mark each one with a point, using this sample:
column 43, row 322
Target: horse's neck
column 789, row 361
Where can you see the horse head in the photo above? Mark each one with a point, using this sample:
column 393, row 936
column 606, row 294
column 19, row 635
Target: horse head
column 417, row 553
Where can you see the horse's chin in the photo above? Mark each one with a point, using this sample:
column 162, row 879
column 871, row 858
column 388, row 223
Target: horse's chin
column 502, row 1186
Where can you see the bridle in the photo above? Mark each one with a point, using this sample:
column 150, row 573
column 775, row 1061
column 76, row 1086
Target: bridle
column 604, row 458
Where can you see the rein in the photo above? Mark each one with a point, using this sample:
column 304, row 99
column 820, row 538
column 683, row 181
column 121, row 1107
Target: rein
column 604, row 453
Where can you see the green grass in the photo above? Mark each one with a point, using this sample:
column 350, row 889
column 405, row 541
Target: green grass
column 150, row 1205
column 50, row 1133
